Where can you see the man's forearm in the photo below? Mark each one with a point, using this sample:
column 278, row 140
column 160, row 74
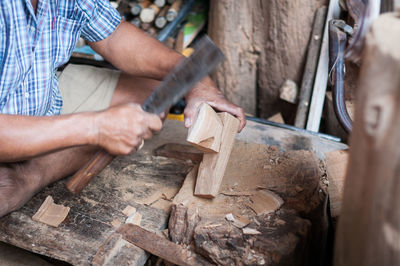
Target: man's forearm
column 134, row 52
column 22, row 137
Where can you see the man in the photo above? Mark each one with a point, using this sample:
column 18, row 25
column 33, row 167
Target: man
column 50, row 128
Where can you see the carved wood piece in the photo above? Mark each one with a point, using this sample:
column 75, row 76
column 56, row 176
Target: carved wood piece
column 205, row 133
column 212, row 168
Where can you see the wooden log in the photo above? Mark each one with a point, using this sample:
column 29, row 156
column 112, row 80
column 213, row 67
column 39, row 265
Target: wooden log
column 161, row 19
column 160, row 246
column 212, row 168
column 138, row 7
column 265, row 43
column 148, row 14
column 307, row 82
column 206, row 131
column 173, row 10
column 160, row 3
column 369, row 226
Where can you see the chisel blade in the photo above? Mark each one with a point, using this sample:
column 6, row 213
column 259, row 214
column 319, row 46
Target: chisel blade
column 184, row 76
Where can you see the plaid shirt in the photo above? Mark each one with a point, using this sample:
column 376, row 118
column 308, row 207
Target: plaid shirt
column 32, row 47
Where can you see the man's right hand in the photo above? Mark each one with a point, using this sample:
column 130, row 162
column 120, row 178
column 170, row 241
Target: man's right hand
column 121, row 129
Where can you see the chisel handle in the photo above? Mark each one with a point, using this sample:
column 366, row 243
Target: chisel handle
column 92, row 168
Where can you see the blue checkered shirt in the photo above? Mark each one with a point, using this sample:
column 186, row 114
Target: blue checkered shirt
column 33, row 46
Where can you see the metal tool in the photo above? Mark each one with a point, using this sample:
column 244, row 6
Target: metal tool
column 176, row 84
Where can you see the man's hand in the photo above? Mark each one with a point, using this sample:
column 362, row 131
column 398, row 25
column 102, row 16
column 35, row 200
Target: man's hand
column 206, row 92
column 121, row 129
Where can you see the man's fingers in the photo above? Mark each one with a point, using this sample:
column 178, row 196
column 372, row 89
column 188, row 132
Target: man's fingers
column 189, row 114
column 154, row 122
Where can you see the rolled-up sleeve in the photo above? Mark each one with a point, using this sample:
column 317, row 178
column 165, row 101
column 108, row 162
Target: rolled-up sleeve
column 102, row 21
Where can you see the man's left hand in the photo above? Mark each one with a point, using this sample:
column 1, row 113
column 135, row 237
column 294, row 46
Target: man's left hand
column 206, row 92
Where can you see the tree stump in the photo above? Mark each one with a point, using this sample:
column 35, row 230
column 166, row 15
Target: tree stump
column 369, row 224
column 265, row 43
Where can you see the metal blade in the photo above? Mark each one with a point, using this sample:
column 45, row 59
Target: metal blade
column 184, row 76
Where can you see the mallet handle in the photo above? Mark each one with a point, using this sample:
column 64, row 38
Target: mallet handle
column 93, row 167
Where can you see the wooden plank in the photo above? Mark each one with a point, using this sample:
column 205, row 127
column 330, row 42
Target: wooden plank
column 310, row 68
column 321, row 79
column 94, row 213
column 206, row 131
column 212, row 168
column 369, row 226
column 128, row 181
column 160, row 246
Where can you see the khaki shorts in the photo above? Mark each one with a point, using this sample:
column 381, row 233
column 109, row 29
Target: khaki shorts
column 86, row 88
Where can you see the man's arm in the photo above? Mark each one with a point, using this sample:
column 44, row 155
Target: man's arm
column 131, row 50
column 119, row 129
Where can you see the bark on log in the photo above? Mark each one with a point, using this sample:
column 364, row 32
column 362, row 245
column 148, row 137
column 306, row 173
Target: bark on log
column 369, row 225
column 265, row 43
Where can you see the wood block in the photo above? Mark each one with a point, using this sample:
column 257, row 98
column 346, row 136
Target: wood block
column 212, row 168
column 50, row 213
column 336, row 166
column 205, row 132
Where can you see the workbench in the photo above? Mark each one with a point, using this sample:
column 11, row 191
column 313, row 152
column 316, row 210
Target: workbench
column 144, row 181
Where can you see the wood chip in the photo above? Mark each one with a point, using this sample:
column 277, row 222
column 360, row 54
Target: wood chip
column 240, row 221
column 129, row 210
column 250, row 231
column 264, row 202
column 136, row 218
column 50, row 213
column 115, row 223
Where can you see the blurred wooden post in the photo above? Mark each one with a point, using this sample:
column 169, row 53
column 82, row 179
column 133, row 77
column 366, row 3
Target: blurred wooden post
column 369, row 225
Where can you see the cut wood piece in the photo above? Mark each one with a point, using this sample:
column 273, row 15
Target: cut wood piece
column 161, row 20
column 160, row 3
column 160, row 246
column 129, row 210
column 205, row 132
column 264, row 202
column 173, row 10
column 288, row 91
column 148, row 14
column 135, row 218
column 212, row 168
column 50, row 213
column 138, row 7
column 336, row 165
column 115, row 223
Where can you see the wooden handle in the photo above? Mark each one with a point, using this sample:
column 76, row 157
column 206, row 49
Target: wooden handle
column 93, row 167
